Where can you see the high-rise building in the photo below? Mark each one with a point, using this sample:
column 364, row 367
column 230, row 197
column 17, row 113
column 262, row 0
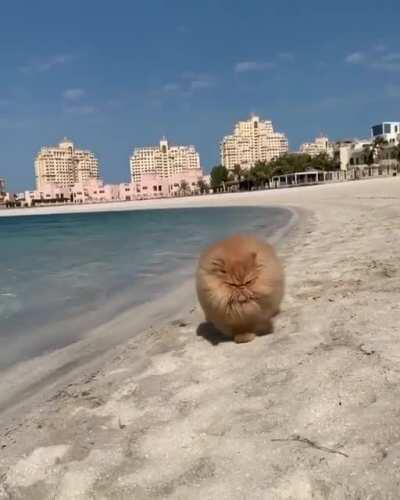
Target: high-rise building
column 253, row 140
column 388, row 131
column 320, row 145
column 164, row 161
column 64, row 165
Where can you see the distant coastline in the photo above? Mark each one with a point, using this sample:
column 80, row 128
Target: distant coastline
column 163, row 203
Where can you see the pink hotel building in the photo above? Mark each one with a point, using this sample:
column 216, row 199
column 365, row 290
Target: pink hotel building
column 95, row 191
column 174, row 171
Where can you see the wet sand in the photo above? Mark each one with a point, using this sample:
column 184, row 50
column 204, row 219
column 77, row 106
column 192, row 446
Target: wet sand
column 310, row 411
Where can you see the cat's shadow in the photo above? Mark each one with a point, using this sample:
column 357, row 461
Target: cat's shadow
column 211, row 334
column 214, row 336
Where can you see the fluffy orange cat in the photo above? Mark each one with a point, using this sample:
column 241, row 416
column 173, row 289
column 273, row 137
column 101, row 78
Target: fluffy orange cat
column 240, row 286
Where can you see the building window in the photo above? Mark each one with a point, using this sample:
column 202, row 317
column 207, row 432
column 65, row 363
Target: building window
column 377, row 130
column 386, row 128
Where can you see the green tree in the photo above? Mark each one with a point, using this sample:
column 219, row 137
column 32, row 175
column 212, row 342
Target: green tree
column 261, row 173
column 184, row 188
column 379, row 142
column 397, row 152
column 324, row 162
column 369, row 154
column 291, row 163
column 219, row 176
column 378, row 147
column 202, row 186
column 238, row 172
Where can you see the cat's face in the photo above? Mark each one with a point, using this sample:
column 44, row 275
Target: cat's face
column 236, row 272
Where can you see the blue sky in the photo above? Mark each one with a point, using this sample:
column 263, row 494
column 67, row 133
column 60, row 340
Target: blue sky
column 114, row 75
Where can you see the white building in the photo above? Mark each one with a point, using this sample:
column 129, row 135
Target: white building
column 389, row 131
column 320, row 145
column 64, row 165
column 2, row 190
column 252, row 140
column 164, row 161
column 352, row 152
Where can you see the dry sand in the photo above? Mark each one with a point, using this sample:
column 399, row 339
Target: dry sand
column 311, row 411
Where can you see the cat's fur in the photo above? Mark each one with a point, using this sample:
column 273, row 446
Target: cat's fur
column 240, row 286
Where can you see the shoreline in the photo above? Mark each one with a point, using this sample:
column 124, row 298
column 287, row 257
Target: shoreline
column 171, row 415
column 39, row 375
column 155, row 204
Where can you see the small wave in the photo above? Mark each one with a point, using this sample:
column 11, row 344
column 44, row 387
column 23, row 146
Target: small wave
column 6, row 294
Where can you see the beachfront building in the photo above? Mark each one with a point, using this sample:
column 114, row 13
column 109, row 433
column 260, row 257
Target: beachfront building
column 89, row 191
column 351, row 152
column 185, row 183
column 320, row 145
column 94, row 191
column 252, row 140
column 388, row 131
column 164, row 160
column 49, row 193
column 362, row 158
column 308, row 178
column 127, row 191
column 65, row 165
column 3, row 192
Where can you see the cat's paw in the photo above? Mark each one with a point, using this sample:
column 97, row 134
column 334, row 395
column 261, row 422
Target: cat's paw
column 242, row 338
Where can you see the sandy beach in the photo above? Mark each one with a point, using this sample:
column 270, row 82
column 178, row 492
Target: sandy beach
column 310, row 411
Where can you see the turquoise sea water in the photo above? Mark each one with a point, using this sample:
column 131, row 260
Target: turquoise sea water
column 62, row 275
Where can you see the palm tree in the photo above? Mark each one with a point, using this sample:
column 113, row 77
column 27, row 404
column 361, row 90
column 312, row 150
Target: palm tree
column 380, row 141
column 378, row 146
column 219, row 176
column 202, row 186
column 184, row 188
column 397, row 152
column 369, row 154
column 238, row 172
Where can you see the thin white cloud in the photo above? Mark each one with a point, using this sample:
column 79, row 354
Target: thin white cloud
column 188, row 83
column 286, row 56
column 42, row 65
column 246, row 66
column 201, row 84
column 73, row 94
column 83, row 109
column 392, row 90
column 171, row 87
column 391, row 57
column 379, row 47
column 355, row 58
column 201, row 81
column 381, row 59
column 386, row 66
